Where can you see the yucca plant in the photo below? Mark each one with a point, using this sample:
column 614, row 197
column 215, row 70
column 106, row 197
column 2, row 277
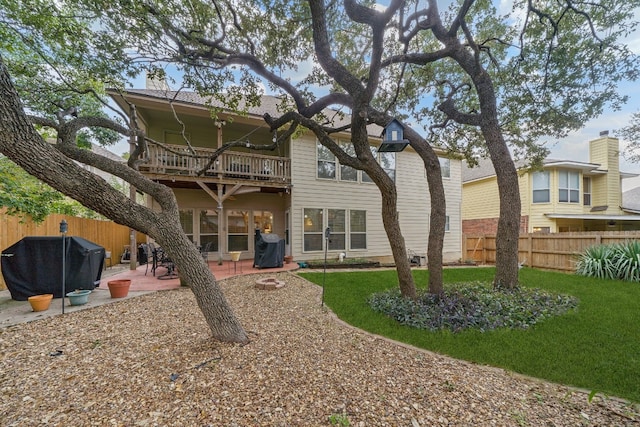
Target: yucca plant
column 627, row 261
column 597, row 261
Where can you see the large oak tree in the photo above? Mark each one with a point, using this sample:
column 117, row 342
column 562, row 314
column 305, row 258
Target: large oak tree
column 51, row 77
column 491, row 89
column 495, row 85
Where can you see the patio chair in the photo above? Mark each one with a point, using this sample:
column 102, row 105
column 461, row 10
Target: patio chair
column 205, row 251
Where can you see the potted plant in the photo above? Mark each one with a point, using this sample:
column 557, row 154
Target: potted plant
column 119, row 288
column 40, row 302
column 79, row 296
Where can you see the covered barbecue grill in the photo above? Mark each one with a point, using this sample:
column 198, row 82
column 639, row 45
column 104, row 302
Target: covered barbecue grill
column 269, row 250
column 33, row 266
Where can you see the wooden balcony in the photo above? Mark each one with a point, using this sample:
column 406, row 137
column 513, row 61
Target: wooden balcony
column 177, row 163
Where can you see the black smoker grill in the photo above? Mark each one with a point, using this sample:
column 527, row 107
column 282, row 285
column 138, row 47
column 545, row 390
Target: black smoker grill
column 33, row 266
column 269, row 250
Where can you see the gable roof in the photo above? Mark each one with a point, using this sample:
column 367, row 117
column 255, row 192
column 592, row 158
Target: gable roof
column 268, row 105
column 485, row 169
column 631, row 200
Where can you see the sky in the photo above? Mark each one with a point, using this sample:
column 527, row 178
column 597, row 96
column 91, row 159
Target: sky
column 575, row 145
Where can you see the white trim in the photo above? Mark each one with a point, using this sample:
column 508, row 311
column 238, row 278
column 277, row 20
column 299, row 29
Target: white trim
column 594, row 217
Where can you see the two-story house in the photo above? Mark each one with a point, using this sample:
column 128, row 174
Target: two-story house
column 296, row 191
column 564, row 195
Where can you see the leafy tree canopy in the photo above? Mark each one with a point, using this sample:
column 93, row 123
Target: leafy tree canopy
column 23, row 195
column 554, row 65
column 55, row 44
column 631, row 133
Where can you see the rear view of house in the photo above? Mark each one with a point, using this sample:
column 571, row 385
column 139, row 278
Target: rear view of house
column 296, row 191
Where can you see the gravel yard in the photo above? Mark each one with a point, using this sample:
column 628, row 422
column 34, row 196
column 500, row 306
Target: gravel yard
column 149, row 361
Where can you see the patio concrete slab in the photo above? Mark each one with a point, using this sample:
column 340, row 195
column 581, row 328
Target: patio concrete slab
column 142, row 281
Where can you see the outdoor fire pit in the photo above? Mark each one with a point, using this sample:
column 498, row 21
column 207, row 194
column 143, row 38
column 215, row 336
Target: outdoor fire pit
column 269, row 284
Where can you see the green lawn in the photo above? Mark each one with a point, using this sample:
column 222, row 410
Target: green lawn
column 596, row 347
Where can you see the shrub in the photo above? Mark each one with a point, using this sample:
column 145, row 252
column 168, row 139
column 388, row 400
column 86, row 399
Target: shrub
column 472, row 306
column 627, row 261
column 615, row 261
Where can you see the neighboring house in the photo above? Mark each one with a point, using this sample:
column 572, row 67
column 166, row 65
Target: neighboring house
column 296, row 191
column 565, row 195
column 631, row 201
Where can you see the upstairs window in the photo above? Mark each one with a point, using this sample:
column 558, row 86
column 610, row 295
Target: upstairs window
column 388, row 163
column 365, row 177
column 445, row 167
column 541, row 187
column 347, row 173
column 386, row 160
column 326, row 163
column 586, row 191
column 569, row 186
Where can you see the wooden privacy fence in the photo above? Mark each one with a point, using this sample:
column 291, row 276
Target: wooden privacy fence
column 557, row 251
column 113, row 237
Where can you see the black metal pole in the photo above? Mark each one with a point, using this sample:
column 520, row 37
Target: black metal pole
column 327, row 233
column 63, row 231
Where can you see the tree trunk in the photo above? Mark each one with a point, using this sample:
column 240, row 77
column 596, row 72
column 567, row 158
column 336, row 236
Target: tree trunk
column 389, row 194
column 195, row 272
column 507, row 176
column 21, row 143
column 510, row 205
column 438, row 209
column 396, row 241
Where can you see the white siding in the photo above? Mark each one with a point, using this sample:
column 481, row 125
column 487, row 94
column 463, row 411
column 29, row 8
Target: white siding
column 311, row 192
column 413, row 203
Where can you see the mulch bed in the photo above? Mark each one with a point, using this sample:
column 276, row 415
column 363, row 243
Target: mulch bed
column 150, row 361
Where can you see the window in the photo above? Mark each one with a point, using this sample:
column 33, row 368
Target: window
column 238, row 226
column 568, row 186
column 586, row 188
column 344, row 224
column 388, row 163
column 336, row 220
column 209, row 229
column 541, row 187
column 312, row 229
column 186, row 221
column 447, row 224
column 358, row 228
column 541, row 229
column 347, row 173
column 263, row 220
column 365, row 177
column 445, row 167
column 326, row 163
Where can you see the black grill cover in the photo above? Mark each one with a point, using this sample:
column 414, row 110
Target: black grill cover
column 269, row 250
column 33, row 266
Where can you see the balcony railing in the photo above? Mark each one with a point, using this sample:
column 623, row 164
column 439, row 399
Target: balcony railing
column 178, row 161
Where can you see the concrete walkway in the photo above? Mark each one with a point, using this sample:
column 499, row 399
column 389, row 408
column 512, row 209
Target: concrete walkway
column 142, row 281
